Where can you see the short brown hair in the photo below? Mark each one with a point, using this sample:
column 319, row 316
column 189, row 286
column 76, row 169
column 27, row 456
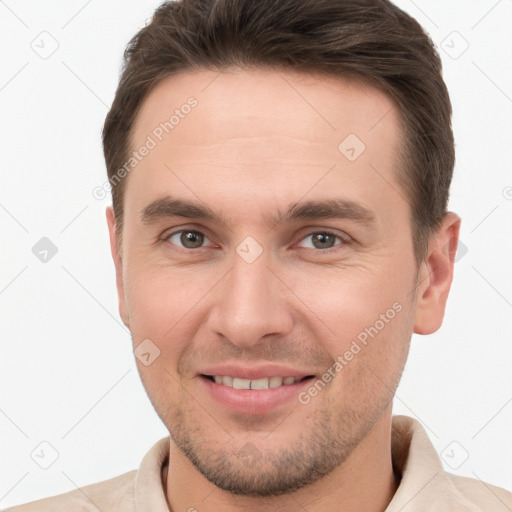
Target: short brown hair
column 372, row 40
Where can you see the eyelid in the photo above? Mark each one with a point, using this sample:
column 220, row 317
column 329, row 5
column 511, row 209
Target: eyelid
column 344, row 238
column 174, row 231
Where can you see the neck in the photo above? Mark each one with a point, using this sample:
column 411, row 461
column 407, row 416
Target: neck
column 365, row 481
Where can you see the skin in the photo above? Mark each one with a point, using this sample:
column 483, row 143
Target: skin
column 258, row 141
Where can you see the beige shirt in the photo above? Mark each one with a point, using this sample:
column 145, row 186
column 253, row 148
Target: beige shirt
column 424, row 485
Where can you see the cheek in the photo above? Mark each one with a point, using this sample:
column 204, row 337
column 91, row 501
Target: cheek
column 346, row 301
column 166, row 305
column 362, row 321
column 158, row 305
column 158, row 298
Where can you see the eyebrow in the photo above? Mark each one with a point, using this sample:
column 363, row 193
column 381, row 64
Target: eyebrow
column 169, row 207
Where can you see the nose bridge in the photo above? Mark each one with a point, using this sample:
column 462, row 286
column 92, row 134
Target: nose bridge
column 250, row 304
column 250, row 282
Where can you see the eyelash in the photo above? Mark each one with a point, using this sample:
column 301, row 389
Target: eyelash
column 335, row 248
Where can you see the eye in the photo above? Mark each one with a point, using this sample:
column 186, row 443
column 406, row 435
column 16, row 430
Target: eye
column 187, row 238
column 322, row 240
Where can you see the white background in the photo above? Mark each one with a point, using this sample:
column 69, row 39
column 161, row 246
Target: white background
column 67, row 371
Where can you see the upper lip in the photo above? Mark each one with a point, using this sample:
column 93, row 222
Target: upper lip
column 255, row 371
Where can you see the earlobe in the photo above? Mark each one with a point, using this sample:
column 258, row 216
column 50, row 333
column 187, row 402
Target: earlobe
column 118, row 263
column 436, row 275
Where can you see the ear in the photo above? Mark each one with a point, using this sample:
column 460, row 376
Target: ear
column 118, row 263
column 435, row 276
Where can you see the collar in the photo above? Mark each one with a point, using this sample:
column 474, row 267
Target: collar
column 423, row 482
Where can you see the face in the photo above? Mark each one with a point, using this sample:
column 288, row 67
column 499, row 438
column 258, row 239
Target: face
column 266, row 237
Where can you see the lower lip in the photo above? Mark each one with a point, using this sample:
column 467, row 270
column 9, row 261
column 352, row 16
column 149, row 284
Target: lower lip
column 251, row 401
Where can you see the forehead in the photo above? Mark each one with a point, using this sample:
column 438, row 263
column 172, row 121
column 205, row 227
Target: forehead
column 236, row 103
column 263, row 133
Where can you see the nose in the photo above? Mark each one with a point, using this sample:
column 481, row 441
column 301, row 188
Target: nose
column 251, row 303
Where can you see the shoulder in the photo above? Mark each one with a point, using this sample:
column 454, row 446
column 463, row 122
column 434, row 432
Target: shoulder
column 480, row 495
column 424, row 483
column 114, row 494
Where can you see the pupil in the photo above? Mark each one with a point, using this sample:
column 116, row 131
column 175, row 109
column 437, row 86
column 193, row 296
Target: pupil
column 191, row 239
column 324, row 240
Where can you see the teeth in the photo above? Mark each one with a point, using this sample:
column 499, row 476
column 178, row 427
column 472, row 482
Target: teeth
column 259, row 384
column 275, row 382
column 264, row 383
column 241, row 383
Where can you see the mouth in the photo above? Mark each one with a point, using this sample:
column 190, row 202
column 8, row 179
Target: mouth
column 255, row 384
column 254, row 397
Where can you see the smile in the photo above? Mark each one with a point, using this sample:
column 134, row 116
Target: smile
column 263, row 383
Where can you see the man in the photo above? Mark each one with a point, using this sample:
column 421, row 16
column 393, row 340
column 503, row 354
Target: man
column 280, row 175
